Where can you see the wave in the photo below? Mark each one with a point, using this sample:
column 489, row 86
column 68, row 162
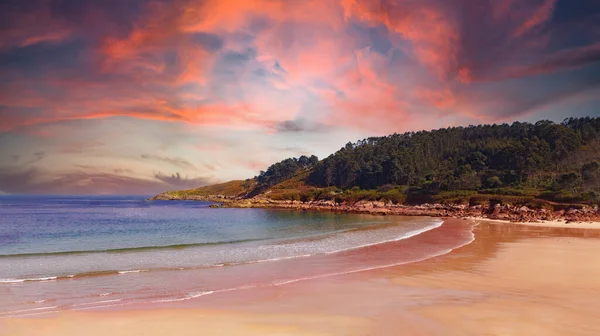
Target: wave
column 97, row 302
column 200, row 292
column 28, row 279
column 133, row 271
column 28, row 310
column 130, row 249
column 405, row 235
column 440, row 253
column 193, row 295
column 72, row 276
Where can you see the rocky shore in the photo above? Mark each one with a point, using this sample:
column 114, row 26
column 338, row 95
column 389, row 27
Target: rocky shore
column 580, row 213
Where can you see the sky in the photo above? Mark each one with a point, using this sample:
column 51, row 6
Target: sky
column 143, row 96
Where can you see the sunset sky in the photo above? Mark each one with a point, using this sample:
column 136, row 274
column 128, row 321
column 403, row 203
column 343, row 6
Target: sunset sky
column 142, row 96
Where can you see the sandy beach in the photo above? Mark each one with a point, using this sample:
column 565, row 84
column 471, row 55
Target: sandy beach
column 558, row 223
column 512, row 280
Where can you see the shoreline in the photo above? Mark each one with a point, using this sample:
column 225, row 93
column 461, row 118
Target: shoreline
column 511, row 280
column 590, row 225
column 357, row 258
column 507, row 213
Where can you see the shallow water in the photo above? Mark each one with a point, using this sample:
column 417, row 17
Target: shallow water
column 85, row 252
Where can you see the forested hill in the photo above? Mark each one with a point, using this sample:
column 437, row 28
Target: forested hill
column 556, row 162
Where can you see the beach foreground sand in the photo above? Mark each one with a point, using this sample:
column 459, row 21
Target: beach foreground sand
column 512, row 280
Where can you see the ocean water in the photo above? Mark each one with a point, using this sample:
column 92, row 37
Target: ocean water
column 85, row 252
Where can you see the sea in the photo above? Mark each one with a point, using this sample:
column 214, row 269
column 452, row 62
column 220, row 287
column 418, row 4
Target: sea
column 87, row 252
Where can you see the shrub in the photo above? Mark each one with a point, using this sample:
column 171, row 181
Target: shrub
column 385, row 188
column 454, row 197
column 396, row 196
column 561, row 196
column 483, row 199
column 493, row 182
column 537, row 203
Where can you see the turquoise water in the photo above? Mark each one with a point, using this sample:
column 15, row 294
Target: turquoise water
column 79, row 252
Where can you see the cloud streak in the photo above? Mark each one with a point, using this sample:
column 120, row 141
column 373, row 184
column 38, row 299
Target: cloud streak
column 35, row 181
column 174, row 161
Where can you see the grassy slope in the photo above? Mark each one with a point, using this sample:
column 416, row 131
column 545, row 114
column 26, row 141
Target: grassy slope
column 236, row 188
column 296, row 188
column 296, row 184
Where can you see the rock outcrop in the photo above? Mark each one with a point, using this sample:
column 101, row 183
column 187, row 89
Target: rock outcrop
column 580, row 213
column 499, row 212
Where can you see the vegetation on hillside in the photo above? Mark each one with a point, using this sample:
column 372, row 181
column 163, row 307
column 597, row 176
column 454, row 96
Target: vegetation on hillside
column 289, row 175
column 235, row 188
column 540, row 165
column 557, row 162
column 285, row 169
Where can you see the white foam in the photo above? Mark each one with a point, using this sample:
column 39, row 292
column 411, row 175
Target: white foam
column 285, row 282
column 133, row 271
column 440, row 253
column 28, row 310
column 99, row 307
column 27, row 279
column 191, row 295
column 30, row 314
column 97, row 302
column 326, row 245
column 194, row 295
column 402, row 237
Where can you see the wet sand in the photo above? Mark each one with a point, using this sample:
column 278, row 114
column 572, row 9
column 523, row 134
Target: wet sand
column 512, row 280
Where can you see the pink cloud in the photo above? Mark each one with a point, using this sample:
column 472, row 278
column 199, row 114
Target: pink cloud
column 539, row 16
column 432, row 32
column 155, row 69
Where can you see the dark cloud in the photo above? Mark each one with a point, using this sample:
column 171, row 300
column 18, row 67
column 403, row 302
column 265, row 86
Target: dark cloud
column 35, row 158
column 295, row 150
column 120, row 171
column 525, row 36
column 515, row 104
column 36, row 59
column 17, row 180
column 572, row 12
column 278, row 68
column 175, row 161
column 81, row 16
column 564, row 60
column 239, row 58
column 117, row 12
column 178, row 181
column 524, row 105
column 210, row 42
column 376, row 38
column 298, row 126
column 77, row 147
